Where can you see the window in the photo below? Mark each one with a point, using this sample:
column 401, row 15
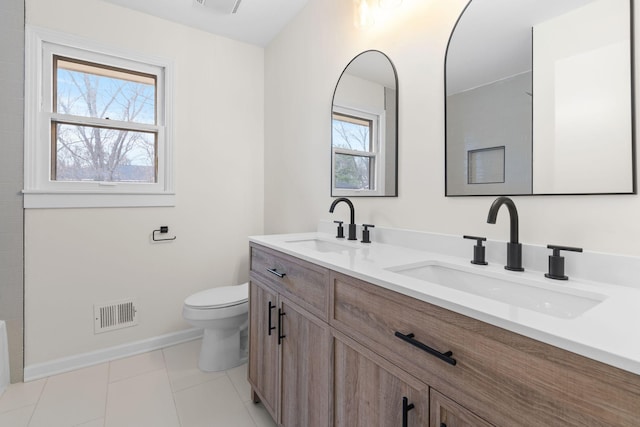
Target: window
column 96, row 126
column 357, row 153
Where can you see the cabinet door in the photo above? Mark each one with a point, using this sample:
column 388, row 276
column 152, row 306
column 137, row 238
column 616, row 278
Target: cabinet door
column 370, row 392
column 447, row 413
column 263, row 345
column 306, row 358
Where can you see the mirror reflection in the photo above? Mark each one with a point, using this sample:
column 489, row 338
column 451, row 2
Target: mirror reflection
column 364, row 128
column 539, row 98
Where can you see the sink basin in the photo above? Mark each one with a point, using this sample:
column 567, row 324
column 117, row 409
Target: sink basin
column 543, row 296
column 322, row 245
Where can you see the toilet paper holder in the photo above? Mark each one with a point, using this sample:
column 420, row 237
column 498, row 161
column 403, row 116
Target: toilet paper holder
column 162, row 230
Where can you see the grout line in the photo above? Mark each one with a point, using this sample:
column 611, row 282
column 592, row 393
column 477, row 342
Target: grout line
column 173, row 398
column 106, row 397
column 86, row 422
column 21, row 405
column 255, row 423
column 35, row 407
column 136, row 375
column 235, row 387
column 173, row 393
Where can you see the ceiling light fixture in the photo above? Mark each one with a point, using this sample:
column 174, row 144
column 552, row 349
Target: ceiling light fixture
column 363, row 16
column 389, row 4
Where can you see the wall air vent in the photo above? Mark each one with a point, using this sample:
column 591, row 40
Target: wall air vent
column 220, row 6
column 114, row 315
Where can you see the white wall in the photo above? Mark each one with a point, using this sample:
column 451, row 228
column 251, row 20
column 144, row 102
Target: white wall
column 301, row 68
column 581, row 103
column 356, row 92
column 78, row 257
column 226, row 94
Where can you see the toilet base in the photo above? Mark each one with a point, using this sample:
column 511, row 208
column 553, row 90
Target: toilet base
column 222, row 349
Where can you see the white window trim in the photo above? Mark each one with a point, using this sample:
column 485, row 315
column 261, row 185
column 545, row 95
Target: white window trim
column 378, row 117
column 39, row 191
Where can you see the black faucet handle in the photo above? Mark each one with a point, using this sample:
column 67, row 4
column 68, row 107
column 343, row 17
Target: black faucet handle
column 365, row 232
column 558, row 248
column 340, row 231
column 556, row 262
column 478, row 239
column 478, row 250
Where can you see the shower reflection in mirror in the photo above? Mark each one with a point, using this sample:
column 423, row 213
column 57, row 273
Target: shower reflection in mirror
column 550, row 81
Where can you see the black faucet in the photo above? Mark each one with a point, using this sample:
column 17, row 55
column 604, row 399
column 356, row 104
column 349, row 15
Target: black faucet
column 514, row 248
column 352, row 223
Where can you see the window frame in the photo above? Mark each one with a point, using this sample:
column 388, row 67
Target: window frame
column 40, row 190
column 376, row 153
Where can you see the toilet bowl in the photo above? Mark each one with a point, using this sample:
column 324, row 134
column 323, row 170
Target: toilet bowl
column 223, row 314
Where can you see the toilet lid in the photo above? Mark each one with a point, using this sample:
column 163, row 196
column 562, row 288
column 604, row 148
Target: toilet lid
column 225, row 296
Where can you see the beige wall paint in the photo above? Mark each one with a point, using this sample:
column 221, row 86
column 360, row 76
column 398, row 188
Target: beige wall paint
column 78, row 257
column 252, row 135
column 301, row 68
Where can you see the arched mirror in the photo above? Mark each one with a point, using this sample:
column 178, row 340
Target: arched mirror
column 364, row 128
column 539, row 98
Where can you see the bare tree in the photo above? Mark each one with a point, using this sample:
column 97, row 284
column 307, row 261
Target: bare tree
column 351, row 171
column 102, row 153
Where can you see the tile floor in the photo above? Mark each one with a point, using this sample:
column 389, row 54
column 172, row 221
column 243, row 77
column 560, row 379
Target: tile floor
column 156, row 389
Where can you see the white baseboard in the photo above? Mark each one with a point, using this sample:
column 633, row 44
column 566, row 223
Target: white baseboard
column 66, row 364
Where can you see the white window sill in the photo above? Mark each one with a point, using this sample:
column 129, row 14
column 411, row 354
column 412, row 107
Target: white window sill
column 51, row 200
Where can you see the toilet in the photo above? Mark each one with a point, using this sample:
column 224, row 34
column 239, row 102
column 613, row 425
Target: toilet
column 223, row 314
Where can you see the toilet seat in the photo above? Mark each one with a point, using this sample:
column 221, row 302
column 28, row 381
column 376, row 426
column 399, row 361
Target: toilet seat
column 217, row 298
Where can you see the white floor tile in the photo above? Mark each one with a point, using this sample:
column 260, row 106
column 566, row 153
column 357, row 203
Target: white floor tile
column 135, row 365
column 21, row 394
column 163, row 388
column 18, row 417
column 94, row 423
column 214, row 403
column 140, row 401
column 72, row 398
column 259, row 414
column 182, row 366
column 238, row 377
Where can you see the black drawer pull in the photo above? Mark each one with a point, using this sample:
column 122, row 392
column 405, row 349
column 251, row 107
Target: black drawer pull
column 442, row 356
column 280, row 334
column 406, row 407
column 271, row 307
column 275, row 271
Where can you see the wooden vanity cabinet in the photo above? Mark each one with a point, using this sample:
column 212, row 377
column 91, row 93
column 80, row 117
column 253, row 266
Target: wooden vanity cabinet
column 305, row 369
column 353, row 351
column 264, row 366
column 289, row 347
column 369, row 391
column 501, row 377
column 447, row 413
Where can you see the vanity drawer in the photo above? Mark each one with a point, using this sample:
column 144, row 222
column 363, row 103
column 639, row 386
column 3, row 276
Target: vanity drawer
column 302, row 282
column 503, row 377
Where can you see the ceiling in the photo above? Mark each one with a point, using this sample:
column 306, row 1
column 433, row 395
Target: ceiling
column 256, row 21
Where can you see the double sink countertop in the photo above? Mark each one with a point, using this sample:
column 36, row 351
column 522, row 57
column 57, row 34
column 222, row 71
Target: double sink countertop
column 596, row 319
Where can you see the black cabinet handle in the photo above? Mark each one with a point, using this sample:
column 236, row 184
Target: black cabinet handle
column 442, row 356
column 443, row 425
column 406, row 407
column 271, row 307
column 275, row 271
column 280, row 335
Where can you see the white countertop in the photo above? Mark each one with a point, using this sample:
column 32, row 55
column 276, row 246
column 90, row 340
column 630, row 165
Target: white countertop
column 608, row 332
